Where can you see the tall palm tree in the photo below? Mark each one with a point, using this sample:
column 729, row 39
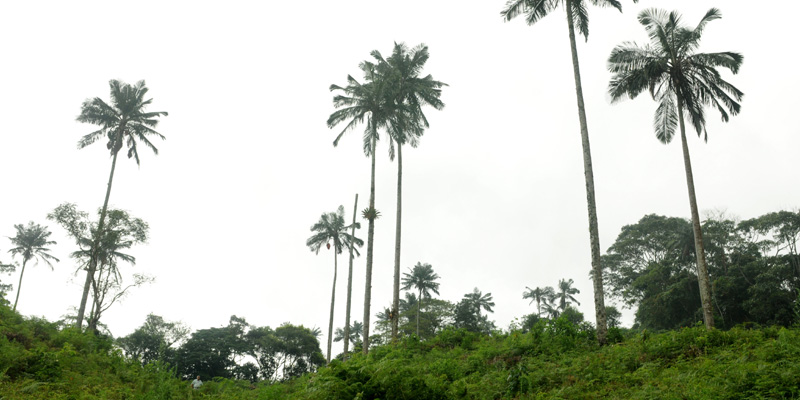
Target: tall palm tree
column 124, row 122
column 30, row 243
column 540, row 296
column 479, row 301
column 423, row 279
column 356, row 103
column 409, row 92
column 350, row 289
column 577, row 13
column 681, row 81
column 565, row 294
column 331, row 228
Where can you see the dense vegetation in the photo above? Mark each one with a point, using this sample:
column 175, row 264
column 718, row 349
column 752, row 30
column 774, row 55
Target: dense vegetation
column 550, row 359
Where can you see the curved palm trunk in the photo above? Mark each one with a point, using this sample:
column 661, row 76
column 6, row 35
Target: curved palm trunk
column 19, row 285
column 333, row 299
column 370, row 239
column 702, row 269
column 349, row 285
column 93, row 259
column 396, row 297
column 594, row 236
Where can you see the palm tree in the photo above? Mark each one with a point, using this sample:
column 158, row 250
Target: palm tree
column 127, row 122
column 331, row 228
column 540, row 296
column 30, row 242
column 409, row 92
column 480, row 300
column 355, row 334
column 681, row 81
column 365, row 101
column 565, row 292
column 423, row 279
column 577, row 13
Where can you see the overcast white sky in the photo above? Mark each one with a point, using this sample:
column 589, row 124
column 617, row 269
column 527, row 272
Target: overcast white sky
column 493, row 197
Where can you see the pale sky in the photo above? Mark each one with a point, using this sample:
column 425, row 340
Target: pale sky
column 494, row 195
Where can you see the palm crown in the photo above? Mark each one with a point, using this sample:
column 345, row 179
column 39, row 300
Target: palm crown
column 679, row 79
column 423, row 279
column 535, row 10
column 124, row 121
column 331, row 228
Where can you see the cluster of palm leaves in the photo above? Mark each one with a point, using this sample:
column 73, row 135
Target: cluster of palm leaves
column 553, row 303
column 681, row 80
column 30, row 243
column 389, row 100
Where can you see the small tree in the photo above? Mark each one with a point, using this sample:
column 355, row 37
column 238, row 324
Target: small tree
column 30, row 242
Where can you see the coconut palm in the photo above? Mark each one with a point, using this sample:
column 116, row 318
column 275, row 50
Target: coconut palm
column 423, row 279
column 577, row 13
column 369, row 102
column 683, row 82
column 124, row 122
column 565, row 294
column 331, row 228
column 409, row 92
column 540, row 296
column 30, row 243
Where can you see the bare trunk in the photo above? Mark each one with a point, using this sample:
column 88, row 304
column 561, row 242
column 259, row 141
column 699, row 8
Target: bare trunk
column 370, row 239
column 702, row 269
column 96, row 244
column 396, row 297
column 419, row 301
column 594, row 235
column 19, row 285
column 333, row 299
column 349, row 285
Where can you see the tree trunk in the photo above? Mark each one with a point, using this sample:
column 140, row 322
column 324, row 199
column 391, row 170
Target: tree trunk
column 333, row 299
column 93, row 259
column 702, row 269
column 419, row 301
column 594, row 235
column 19, row 285
column 370, row 239
column 396, row 297
column 349, row 285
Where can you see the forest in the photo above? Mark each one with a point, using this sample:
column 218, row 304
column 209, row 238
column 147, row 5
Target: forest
column 715, row 298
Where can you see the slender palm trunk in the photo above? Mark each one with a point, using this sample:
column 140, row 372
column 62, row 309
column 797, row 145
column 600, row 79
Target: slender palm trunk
column 370, row 239
column 702, row 269
column 19, row 285
column 396, row 297
column 594, row 235
column 349, row 286
column 419, row 301
column 333, row 299
column 93, row 259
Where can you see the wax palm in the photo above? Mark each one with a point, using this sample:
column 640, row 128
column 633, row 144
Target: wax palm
column 577, row 14
column 347, row 333
column 681, row 81
column 31, row 243
column 364, row 103
column 540, row 296
column 409, row 92
column 479, row 301
column 423, row 279
column 124, row 122
column 331, row 228
column 565, row 294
